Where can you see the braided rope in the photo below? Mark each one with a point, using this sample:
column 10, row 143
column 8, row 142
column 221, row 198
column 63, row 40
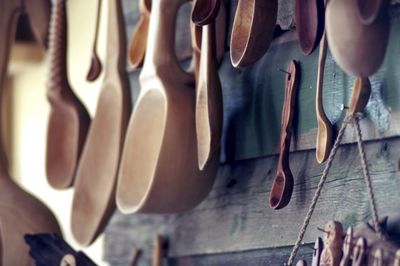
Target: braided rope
column 367, row 176
column 321, row 183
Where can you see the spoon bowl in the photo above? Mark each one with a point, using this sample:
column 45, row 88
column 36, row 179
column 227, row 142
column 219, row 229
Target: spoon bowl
column 205, row 11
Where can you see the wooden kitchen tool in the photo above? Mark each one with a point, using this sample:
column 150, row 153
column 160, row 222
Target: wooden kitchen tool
column 359, row 252
column 209, row 100
column 360, row 95
column 205, row 11
column 301, row 263
column 369, row 10
column 325, row 128
column 137, row 47
column 68, row 121
column 159, row 165
column 318, row 247
column 38, row 12
column 333, row 242
column 158, row 251
column 347, row 248
column 310, row 23
column 20, row 212
column 94, row 197
column 282, row 188
column 358, row 49
column 95, row 63
column 252, row 31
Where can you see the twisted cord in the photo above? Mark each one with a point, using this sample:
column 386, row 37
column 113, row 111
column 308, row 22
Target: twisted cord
column 321, row 183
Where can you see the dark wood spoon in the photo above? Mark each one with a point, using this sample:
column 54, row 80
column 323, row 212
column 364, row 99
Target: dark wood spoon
column 309, row 17
column 369, row 10
column 205, row 11
column 282, row 187
column 95, row 66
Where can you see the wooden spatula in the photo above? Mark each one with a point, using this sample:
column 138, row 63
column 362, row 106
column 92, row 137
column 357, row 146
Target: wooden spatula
column 69, row 120
column 282, row 188
column 94, row 197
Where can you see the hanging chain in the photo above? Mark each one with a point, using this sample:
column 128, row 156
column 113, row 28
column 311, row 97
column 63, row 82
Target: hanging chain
column 354, row 118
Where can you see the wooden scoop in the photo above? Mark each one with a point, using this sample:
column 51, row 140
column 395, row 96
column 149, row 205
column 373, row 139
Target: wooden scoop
column 159, row 165
column 282, row 188
column 252, row 31
column 94, row 197
column 205, row 11
column 95, row 64
column 68, row 121
column 20, row 212
column 358, row 49
column 310, row 23
column 137, row 48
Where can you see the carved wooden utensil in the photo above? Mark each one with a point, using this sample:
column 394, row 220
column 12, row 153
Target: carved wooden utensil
column 252, row 31
column 94, row 197
column 209, row 99
column 205, row 11
column 20, row 212
column 68, row 121
column 282, row 188
column 95, row 64
column 301, row 263
column 318, row 247
column 369, row 10
column 310, row 23
column 137, row 47
column 159, row 165
column 333, row 242
column 360, row 95
column 359, row 49
column 39, row 19
column 360, row 252
column 347, row 248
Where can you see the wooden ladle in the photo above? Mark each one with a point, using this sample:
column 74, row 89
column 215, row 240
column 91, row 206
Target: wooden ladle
column 159, row 165
column 95, row 63
column 252, row 31
column 282, row 188
column 359, row 49
column 94, row 197
column 205, row 11
column 310, row 23
column 20, row 212
column 137, row 47
column 69, row 120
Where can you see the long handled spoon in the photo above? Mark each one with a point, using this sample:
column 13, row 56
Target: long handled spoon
column 137, row 47
column 309, row 17
column 20, row 212
column 68, row 121
column 360, row 95
column 205, row 11
column 282, row 188
column 252, row 31
column 94, row 197
column 95, row 64
column 159, row 165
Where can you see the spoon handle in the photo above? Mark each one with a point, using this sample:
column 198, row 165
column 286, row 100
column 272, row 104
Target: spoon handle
column 282, row 187
column 360, row 95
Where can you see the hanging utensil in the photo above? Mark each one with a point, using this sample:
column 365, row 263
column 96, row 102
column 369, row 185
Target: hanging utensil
column 360, row 95
column 20, row 212
column 137, row 47
column 68, row 121
column 95, row 63
column 359, row 252
column 252, row 31
column 94, row 197
column 369, row 10
column 301, row 263
column 310, row 23
column 282, row 188
column 162, row 126
column 38, row 12
column 205, row 11
column 333, row 242
column 318, row 247
column 358, row 49
column 347, row 248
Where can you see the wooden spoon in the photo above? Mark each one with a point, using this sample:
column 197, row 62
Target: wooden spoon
column 205, row 11
column 310, row 23
column 252, row 31
column 20, row 212
column 347, row 248
column 325, row 128
column 333, row 242
column 369, row 10
column 282, row 187
column 360, row 95
column 360, row 252
column 68, row 121
column 159, row 165
column 358, row 49
column 318, row 247
column 301, row 263
column 137, row 48
column 94, row 197
column 95, row 64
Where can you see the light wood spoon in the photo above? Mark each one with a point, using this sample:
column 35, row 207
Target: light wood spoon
column 318, row 247
column 94, row 197
column 20, row 212
column 69, row 120
column 358, row 49
column 159, row 166
column 137, row 47
column 252, row 31
column 95, row 64
column 282, row 188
